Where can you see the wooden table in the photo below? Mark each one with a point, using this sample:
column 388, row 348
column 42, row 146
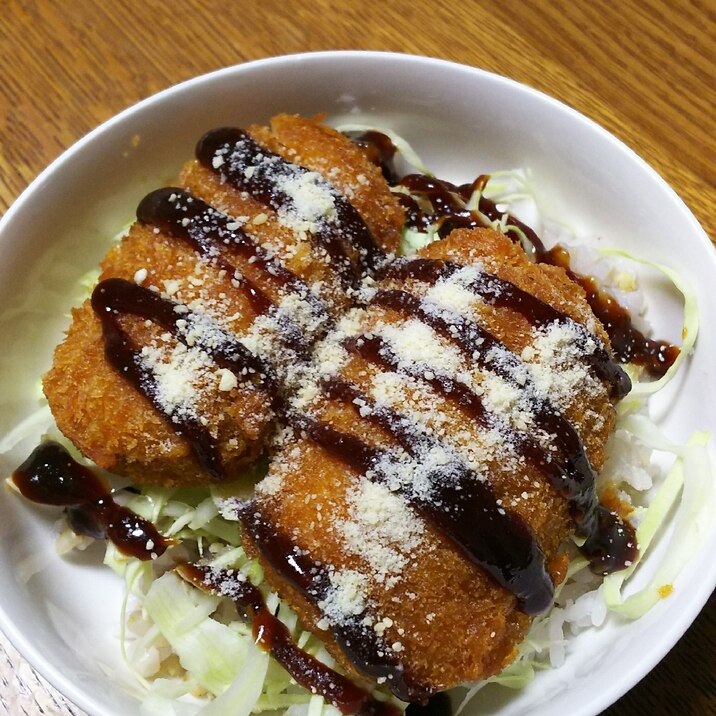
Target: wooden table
column 644, row 69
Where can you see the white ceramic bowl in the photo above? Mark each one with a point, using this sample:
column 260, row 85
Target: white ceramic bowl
column 62, row 614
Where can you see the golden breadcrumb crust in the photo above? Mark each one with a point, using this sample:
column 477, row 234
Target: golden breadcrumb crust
column 457, row 624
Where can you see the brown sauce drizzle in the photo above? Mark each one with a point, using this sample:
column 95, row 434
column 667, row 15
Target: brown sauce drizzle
column 361, row 645
column 610, row 543
column 238, row 151
column 273, row 636
column 438, row 705
column 188, row 218
column 377, row 351
column 499, row 542
column 116, row 297
column 448, row 212
column 473, row 340
column 50, row 476
column 379, row 150
column 504, row 294
column 629, row 344
column 183, row 216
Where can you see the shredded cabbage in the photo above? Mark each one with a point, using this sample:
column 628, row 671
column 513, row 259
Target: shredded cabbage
column 412, row 241
column 210, row 651
column 38, row 422
column 405, row 150
column 690, row 526
column 243, row 694
column 505, row 188
column 689, row 331
column 216, row 651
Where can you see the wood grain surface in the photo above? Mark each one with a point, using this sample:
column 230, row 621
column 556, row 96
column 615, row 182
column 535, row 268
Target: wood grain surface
column 644, row 69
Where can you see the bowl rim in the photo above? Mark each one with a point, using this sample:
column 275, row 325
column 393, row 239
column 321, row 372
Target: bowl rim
column 680, row 622
column 357, row 55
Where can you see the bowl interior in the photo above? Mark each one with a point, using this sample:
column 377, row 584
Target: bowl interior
column 63, row 614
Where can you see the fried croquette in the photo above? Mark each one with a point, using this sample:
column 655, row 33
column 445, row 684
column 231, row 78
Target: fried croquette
column 433, row 388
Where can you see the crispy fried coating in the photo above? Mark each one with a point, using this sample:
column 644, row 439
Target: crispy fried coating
column 591, row 410
column 321, row 148
column 115, row 425
column 448, row 621
column 315, row 146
